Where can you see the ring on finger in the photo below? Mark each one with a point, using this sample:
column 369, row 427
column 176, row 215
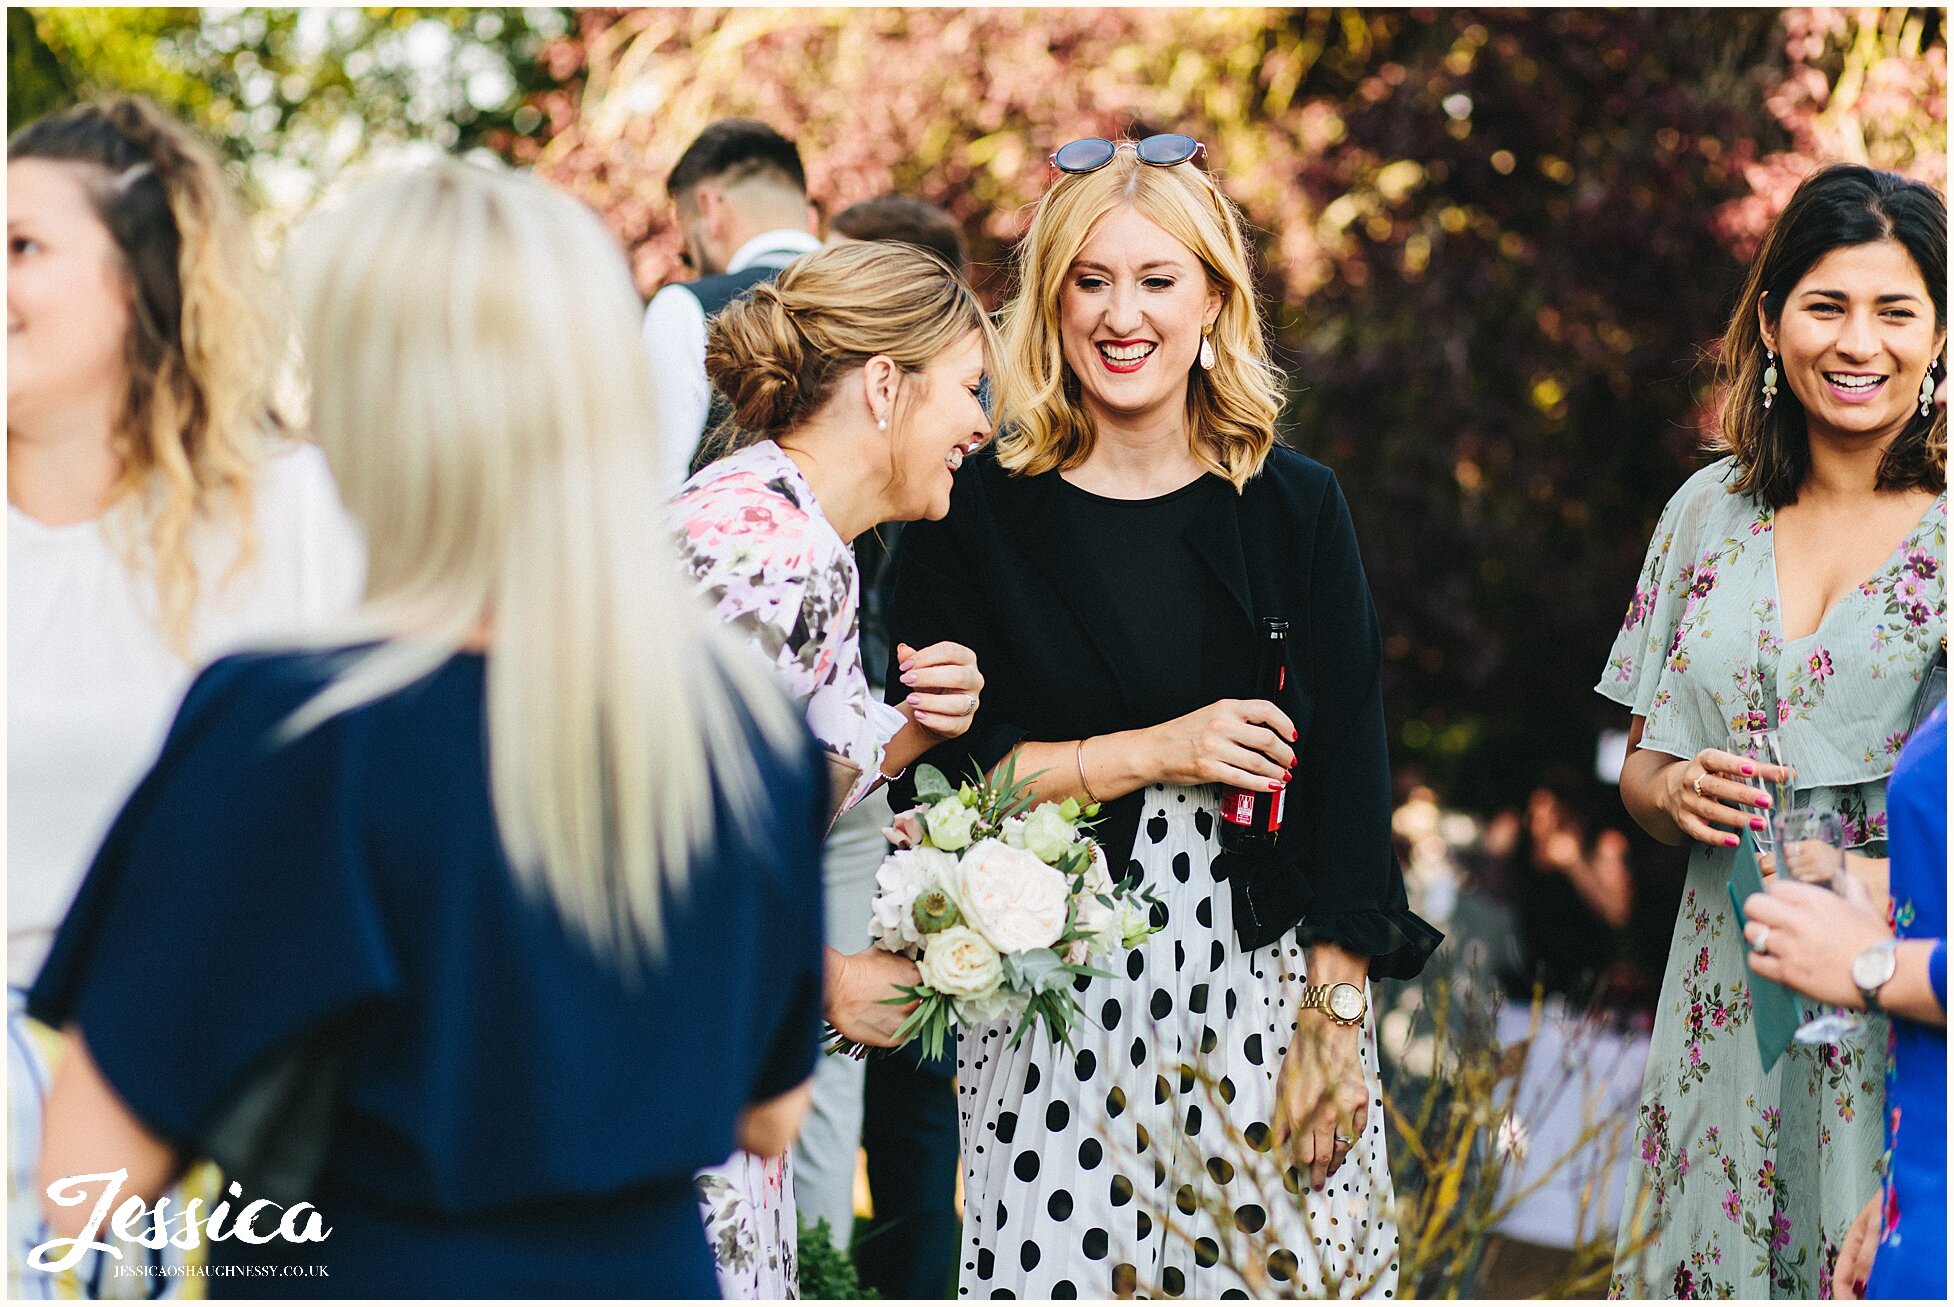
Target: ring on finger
column 1342, row 1139
column 1697, row 784
column 970, row 705
column 1763, row 944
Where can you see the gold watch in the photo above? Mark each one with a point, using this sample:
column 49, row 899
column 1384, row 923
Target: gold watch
column 1343, row 1002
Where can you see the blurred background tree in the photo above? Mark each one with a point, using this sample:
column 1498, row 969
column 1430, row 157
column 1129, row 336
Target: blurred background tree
column 1496, row 244
column 293, row 96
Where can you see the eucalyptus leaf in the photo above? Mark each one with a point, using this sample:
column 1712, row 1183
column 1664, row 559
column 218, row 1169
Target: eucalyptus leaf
column 931, row 784
column 1034, row 972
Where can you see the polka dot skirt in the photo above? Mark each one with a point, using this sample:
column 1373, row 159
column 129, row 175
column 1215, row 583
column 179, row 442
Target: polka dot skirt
column 1137, row 1163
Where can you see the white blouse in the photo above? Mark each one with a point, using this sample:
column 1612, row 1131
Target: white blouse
column 92, row 686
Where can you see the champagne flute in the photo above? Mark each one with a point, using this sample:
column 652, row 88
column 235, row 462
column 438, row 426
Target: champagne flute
column 1811, row 849
column 1765, row 745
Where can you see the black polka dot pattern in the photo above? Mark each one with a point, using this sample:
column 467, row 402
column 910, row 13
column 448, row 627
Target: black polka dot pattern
column 1119, row 1168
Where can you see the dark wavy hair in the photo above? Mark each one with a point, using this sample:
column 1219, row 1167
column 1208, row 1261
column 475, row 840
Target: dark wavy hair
column 1838, row 206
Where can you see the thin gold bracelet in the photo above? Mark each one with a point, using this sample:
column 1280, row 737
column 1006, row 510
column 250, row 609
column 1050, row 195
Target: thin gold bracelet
column 1079, row 756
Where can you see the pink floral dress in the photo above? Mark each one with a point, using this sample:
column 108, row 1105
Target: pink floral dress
column 754, row 540
column 1745, row 1183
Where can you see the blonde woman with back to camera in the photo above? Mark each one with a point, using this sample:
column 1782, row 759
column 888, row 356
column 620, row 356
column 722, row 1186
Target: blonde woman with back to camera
column 853, row 380
column 1215, row 1132
column 515, row 873
column 156, row 516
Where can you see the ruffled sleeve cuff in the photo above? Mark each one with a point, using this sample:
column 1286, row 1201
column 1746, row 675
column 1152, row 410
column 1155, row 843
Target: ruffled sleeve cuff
column 1396, row 940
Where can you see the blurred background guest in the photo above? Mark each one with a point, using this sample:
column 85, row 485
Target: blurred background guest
column 852, row 384
column 1573, row 894
column 741, row 196
column 905, row 219
column 1849, row 955
column 1798, row 585
column 1570, row 1000
column 157, row 512
column 525, row 832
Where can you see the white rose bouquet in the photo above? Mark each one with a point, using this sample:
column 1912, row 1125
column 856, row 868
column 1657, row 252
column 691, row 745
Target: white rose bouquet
column 1002, row 904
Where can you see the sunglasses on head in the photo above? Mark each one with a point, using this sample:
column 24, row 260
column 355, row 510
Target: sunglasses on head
column 1095, row 152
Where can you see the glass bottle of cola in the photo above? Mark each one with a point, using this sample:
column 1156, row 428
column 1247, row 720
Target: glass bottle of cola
column 1251, row 819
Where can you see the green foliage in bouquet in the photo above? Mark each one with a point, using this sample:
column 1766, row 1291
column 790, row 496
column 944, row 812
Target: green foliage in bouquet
column 983, row 807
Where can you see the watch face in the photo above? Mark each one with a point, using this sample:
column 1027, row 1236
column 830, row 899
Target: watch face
column 1873, row 968
column 1346, row 1002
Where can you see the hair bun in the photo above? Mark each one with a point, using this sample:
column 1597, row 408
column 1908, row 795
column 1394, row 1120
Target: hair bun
column 755, row 356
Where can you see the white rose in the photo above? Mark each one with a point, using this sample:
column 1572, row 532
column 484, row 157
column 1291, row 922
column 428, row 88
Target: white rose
column 1047, row 833
column 961, row 963
column 902, row 877
column 949, row 823
column 1017, row 901
column 1014, row 832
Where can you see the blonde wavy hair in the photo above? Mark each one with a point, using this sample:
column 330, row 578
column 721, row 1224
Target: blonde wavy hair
column 478, row 388
column 1231, row 410
column 203, row 347
column 778, row 352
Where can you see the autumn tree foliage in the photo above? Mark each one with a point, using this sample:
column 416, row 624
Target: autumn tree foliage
column 1495, row 246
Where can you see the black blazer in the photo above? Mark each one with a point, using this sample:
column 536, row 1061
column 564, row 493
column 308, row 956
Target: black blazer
column 1001, row 574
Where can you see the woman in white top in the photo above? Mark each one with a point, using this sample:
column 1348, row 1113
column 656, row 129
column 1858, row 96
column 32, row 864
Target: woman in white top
column 853, row 381
column 155, row 518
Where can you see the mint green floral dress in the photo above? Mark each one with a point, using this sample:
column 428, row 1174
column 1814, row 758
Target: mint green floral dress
column 1743, row 1183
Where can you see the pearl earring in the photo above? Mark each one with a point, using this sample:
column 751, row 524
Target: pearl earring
column 1770, row 377
column 1927, row 391
column 881, row 424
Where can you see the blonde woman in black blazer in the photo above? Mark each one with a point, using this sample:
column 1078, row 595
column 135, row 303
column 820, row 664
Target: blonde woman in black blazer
column 1110, row 562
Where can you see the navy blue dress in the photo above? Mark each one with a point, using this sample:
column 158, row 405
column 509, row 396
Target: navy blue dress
column 514, row 1116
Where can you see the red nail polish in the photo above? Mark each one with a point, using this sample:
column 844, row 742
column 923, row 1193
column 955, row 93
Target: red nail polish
column 1757, row 823
column 1730, row 841
column 1285, row 778
column 1293, row 737
column 1749, row 770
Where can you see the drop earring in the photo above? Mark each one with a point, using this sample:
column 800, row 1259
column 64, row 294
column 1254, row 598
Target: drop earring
column 1207, row 350
column 1927, row 391
column 1770, row 376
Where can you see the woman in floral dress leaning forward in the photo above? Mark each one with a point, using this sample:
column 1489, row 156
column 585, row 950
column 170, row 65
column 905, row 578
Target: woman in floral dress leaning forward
column 1798, row 584
column 853, row 379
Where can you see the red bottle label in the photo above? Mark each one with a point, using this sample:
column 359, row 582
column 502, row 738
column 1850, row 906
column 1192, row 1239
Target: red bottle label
column 1275, row 810
column 1238, row 806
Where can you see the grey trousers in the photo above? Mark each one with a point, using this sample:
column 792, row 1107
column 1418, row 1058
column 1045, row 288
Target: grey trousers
column 824, row 1158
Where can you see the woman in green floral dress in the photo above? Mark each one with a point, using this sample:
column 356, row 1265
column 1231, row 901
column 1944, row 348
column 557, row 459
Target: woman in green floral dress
column 1799, row 584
